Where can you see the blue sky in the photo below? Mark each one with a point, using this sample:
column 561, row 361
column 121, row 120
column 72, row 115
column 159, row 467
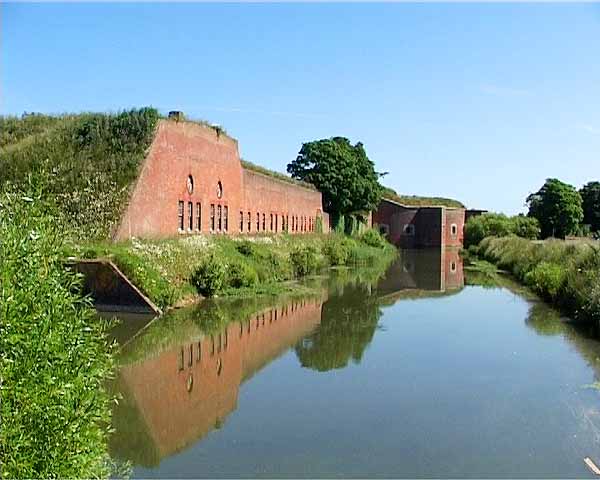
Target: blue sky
column 479, row 102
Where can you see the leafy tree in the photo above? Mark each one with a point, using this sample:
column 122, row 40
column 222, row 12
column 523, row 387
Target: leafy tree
column 558, row 208
column 342, row 172
column 590, row 194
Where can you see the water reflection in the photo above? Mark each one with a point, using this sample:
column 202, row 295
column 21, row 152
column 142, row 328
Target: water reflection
column 180, row 378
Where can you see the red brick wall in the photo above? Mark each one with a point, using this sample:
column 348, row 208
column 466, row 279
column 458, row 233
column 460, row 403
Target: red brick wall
column 270, row 196
column 432, row 225
column 452, row 264
column 181, row 149
column 454, row 216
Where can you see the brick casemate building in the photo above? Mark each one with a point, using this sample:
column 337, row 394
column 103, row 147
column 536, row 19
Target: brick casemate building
column 192, row 181
column 418, row 227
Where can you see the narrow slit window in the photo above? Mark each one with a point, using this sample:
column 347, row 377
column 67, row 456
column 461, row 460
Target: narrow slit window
column 453, row 229
column 190, row 216
column 180, row 215
column 198, row 217
column 271, row 222
column 226, row 218
column 264, row 222
column 191, row 355
column 199, row 352
column 181, row 359
column 257, row 222
column 219, row 218
column 241, row 221
column 212, row 217
column 249, row 222
column 276, row 222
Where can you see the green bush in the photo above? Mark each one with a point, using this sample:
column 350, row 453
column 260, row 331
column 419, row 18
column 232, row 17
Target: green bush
column 499, row 225
column 54, row 355
column 337, row 249
column 373, row 238
column 546, row 279
column 305, row 260
column 209, row 277
column 240, row 274
column 247, row 248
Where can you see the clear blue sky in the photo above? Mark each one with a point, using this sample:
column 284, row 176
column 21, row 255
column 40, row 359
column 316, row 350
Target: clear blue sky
column 476, row 102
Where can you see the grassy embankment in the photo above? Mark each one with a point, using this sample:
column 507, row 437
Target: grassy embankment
column 54, row 355
column 563, row 273
column 172, row 272
column 419, row 201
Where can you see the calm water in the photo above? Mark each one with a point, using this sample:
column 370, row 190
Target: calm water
column 414, row 374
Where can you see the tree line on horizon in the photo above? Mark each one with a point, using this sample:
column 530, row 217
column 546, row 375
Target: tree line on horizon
column 556, row 210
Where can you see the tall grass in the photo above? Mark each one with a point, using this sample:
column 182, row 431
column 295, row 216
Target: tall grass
column 53, row 351
column 565, row 274
column 87, row 162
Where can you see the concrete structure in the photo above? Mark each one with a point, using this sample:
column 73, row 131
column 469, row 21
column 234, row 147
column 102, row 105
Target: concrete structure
column 419, row 227
column 192, row 181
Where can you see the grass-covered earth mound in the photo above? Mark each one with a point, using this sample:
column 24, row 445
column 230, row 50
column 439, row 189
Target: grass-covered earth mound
column 86, row 163
column 418, row 201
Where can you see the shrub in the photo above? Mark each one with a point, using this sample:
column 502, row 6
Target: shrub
column 337, row 250
column 54, row 355
column 305, row 260
column 240, row 274
column 546, row 279
column 373, row 238
column 499, row 225
column 209, row 277
column 247, row 248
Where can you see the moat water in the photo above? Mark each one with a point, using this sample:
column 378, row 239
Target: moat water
column 425, row 371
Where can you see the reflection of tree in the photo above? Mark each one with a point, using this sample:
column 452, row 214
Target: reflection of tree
column 348, row 322
column 545, row 320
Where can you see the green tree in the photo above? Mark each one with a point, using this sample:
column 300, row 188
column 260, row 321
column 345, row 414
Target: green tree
column 590, row 194
column 558, row 208
column 342, row 172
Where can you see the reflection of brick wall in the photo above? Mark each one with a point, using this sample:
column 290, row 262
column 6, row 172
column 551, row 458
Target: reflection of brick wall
column 452, row 265
column 181, row 149
column 177, row 414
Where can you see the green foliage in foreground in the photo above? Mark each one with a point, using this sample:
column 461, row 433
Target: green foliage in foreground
column 565, row 274
column 87, row 162
column 54, row 355
column 171, row 271
column 499, row 225
column 417, row 201
column 558, row 208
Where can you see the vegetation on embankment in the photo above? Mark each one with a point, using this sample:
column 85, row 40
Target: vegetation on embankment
column 418, row 201
column 86, row 162
column 54, row 355
column 565, row 274
column 499, row 225
column 173, row 271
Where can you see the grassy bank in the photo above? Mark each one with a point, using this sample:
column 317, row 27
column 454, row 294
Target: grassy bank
column 86, row 162
column 173, row 271
column 54, row 355
column 564, row 274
